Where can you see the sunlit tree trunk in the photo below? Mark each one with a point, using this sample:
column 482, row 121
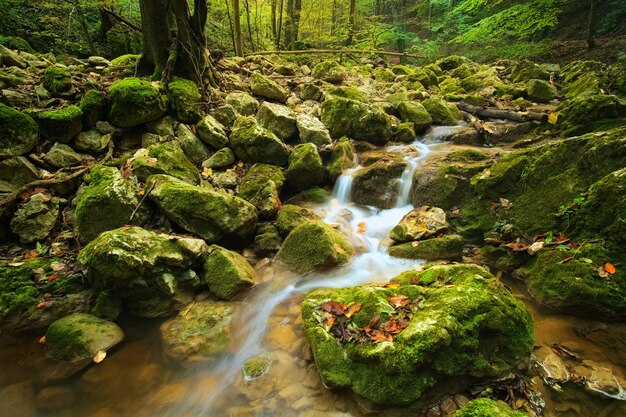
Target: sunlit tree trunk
column 230, row 24
column 352, row 18
column 249, row 26
column 293, row 22
column 157, row 38
column 280, row 24
column 237, row 29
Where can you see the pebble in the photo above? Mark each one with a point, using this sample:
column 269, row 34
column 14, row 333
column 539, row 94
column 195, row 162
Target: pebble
column 55, row 398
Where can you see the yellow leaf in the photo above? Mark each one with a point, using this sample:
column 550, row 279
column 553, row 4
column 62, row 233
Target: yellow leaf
column 99, row 356
column 553, row 117
column 42, row 340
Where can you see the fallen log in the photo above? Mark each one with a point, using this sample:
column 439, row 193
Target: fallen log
column 489, row 113
column 334, row 51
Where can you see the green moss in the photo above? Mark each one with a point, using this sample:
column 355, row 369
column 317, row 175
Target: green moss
column 252, row 143
column 227, row 273
column 441, row 113
column 350, row 92
column 108, row 305
column 122, row 60
column 463, row 322
column 329, row 71
column 342, row 158
column 133, row 102
column 485, row 407
column 526, row 70
column 579, row 114
column 60, row 125
column 402, row 70
column 57, row 80
column 500, row 258
column 451, row 62
column 15, row 42
column 305, row 167
column 93, row 105
column 19, row 291
column 18, row 132
column 448, row 247
column 267, row 88
column 540, row 90
column 415, row 113
column 267, row 240
column 170, row 160
column 291, row 216
column 256, row 367
column 314, row 245
column 345, row 117
column 64, row 343
column 185, row 99
column 466, row 156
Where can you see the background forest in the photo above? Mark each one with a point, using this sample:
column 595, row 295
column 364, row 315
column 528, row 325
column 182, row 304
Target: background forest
column 480, row 29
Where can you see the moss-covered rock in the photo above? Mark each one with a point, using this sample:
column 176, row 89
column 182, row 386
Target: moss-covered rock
column 93, row 106
column 461, row 325
column 350, row 92
column 451, row 62
column 107, row 203
column 378, row 184
column 420, row 223
column 243, row 103
column 164, row 158
column 266, row 88
column 226, row 115
column 485, row 407
column 405, row 133
column 133, row 102
column 540, row 90
column 314, row 245
column 63, row 156
column 342, row 157
column 261, row 187
column 34, row 219
column 345, row 117
column 581, row 77
column 278, row 119
column 256, row 367
column 312, row 130
column 441, row 113
column 305, row 167
column 227, row 273
column 152, row 273
column 329, row 71
column 252, row 143
column 78, row 337
column 267, row 240
column 291, row 216
column 200, row 331
column 444, row 248
column 60, row 125
column 212, row 132
column 185, row 99
column 525, row 70
column 467, row 156
column 57, row 80
column 579, row 114
column 575, row 286
column 416, row 113
column 18, row 132
column 220, row 159
column 92, row 141
column 441, row 185
column 17, row 171
column 194, row 148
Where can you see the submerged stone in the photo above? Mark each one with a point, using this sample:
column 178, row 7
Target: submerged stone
column 463, row 326
column 212, row 215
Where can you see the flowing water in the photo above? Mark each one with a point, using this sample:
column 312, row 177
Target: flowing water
column 136, row 379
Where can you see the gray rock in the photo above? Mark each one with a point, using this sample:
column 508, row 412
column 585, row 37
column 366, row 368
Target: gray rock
column 92, row 141
column 212, row 132
column 226, row 115
column 15, row 99
column 420, row 223
column 162, row 127
column 378, row 184
column 278, row 119
column 98, row 61
column 243, row 103
column 220, row 159
column 252, row 143
column 193, row 147
column 34, row 220
column 18, row 171
column 266, row 88
column 312, row 130
column 62, row 156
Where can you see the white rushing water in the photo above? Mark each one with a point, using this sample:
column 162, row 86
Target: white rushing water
column 368, row 229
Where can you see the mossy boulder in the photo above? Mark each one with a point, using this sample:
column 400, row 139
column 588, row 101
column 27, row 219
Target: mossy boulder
column 93, row 106
column 467, row 156
column 579, row 114
column 220, row 159
column 278, row 119
column 60, row 125
column 305, row 167
column 261, row 187
column 63, row 156
column 267, row 88
column 441, row 113
column 18, row 132
column 227, row 273
column 312, row 130
column 17, row 171
column 92, row 141
column 345, row 117
column 378, row 184
column 211, row 132
column 200, row 331
column 342, row 157
column 462, row 326
column 243, row 103
column 581, row 77
column 212, row 215
column 485, row 407
column 451, row 62
column 133, row 102
column 416, row 113
column 152, row 273
column 526, row 70
column 405, row 133
column 314, row 245
column 164, row 158
column 185, row 100
column 420, row 223
column 267, row 240
column 107, row 203
column 226, row 115
column 34, row 219
column 192, row 146
column 444, row 248
column 57, row 80
column 540, row 90
column 78, row 337
column 329, row 71
column 291, row 216
column 575, row 286
column 350, row 92
column 252, row 143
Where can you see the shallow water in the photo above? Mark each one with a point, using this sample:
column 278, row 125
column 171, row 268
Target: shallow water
column 137, row 380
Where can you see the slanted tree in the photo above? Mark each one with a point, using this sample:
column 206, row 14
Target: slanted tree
column 174, row 40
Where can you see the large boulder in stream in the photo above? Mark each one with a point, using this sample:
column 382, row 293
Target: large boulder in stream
column 227, row 273
column 485, row 407
column 444, row 248
column 152, row 273
column 212, row 215
column 346, row 117
column 419, row 223
column 448, row 325
column 379, row 184
column 314, row 245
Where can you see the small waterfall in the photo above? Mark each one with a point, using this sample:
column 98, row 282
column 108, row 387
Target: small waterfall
column 343, row 186
column 406, row 180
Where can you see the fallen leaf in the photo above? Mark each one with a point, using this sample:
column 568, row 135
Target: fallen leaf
column 380, row 336
column 352, row 310
column 332, row 307
column 553, row 117
column 42, row 340
column 535, row 247
column 373, row 324
column 52, row 278
column 610, row 268
column 603, row 272
column 99, row 356
column 361, row 228
column 415, row 244
column 399, row 301
column 517, row 246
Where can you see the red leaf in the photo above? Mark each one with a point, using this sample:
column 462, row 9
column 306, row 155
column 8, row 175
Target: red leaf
column 333, row 307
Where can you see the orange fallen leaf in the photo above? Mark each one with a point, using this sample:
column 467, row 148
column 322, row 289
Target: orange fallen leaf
column 610, row 268
column 380, row 336
column 52, row 278
column 399, row 301
column 42, row 340
column 361, row 228
column 353, row 309
column 99, row 356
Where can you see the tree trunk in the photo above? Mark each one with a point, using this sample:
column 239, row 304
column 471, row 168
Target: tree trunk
column 273, row 19
column 85, row 29
column 280, row 23
column 352, row 20
column 230, row 23
column 157, row 38
column 249, row 26
column 591, row 30
column 293, row 22
column 237, row 27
